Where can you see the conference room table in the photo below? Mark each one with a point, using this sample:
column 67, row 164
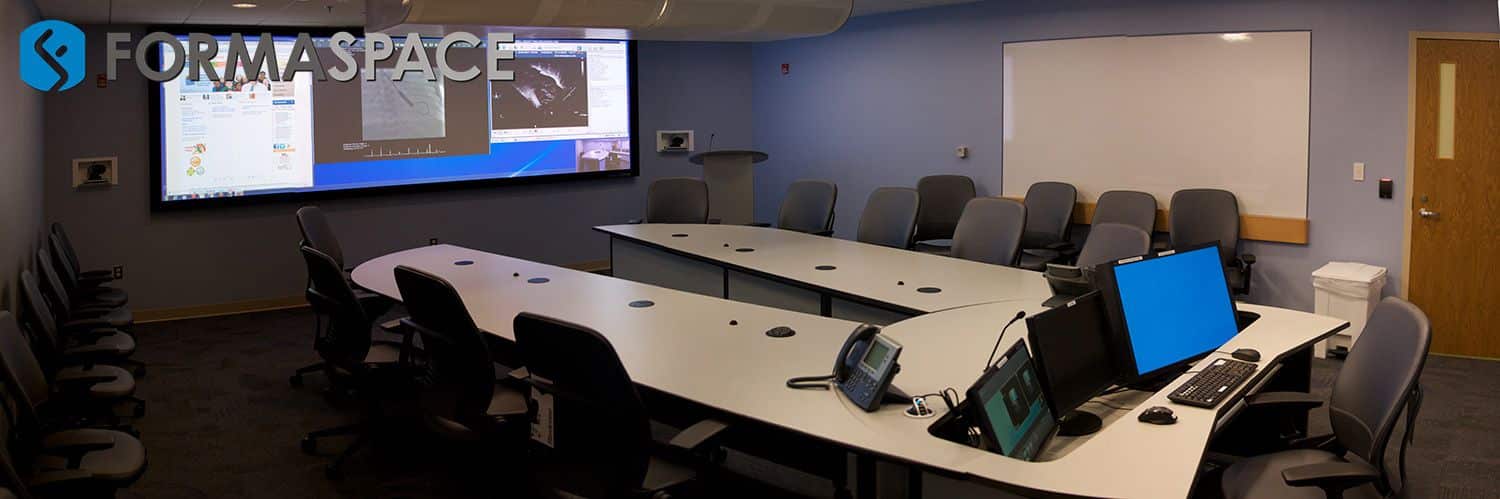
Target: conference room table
column 714, row 352
column 809, row 273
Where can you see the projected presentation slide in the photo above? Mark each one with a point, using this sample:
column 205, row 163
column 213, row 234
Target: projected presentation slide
column 567, row 111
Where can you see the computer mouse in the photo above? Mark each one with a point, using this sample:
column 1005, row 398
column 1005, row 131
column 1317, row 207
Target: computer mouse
column 1246, row 354
column 1158, row 415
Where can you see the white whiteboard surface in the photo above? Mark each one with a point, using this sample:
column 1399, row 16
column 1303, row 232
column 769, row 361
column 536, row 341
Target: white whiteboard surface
column 1162, row 113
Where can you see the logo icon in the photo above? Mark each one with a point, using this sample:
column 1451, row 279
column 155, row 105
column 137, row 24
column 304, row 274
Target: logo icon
column 52, row 55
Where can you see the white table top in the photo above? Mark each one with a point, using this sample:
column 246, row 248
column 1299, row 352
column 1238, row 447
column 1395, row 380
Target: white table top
column 863, row 270
column 684, row 345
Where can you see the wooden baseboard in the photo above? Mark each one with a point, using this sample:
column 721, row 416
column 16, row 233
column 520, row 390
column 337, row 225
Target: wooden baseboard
column 1252, row 227
column 218, row 309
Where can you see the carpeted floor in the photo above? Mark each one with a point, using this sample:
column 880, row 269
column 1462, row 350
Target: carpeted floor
column 223, row 422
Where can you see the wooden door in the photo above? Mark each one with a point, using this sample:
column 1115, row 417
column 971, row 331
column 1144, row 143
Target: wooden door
column 1455, row 224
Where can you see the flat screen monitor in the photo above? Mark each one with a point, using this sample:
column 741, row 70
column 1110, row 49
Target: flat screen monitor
column 1170, row 309
column 1010, row 408
column 1070, row 345
column 568, row 113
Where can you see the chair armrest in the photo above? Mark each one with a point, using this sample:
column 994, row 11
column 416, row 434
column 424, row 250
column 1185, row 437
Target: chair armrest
column 1287, row 400
column 92, row 336
column 699, row 436
column 1248, row 259
column 1332, row 477
column 759, row 224
column 77, row 325
column 395, row 326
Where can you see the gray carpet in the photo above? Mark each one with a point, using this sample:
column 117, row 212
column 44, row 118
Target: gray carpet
column 223, row 422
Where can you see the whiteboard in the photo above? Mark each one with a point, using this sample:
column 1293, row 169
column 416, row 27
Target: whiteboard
column 1162, row 113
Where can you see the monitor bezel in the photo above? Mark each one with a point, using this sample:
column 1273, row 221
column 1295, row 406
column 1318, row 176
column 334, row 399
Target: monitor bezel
column 1125, row 359
column 1041, row 364
column 977, row 410
column 154, row 94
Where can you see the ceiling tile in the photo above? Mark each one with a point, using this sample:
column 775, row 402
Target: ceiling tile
column 76, row 11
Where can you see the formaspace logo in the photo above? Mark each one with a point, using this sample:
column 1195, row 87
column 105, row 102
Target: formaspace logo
column 52, row 56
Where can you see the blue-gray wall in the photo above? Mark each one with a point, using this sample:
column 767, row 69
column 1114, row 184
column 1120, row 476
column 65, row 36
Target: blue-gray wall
column 21, row 169
column 234, row 254
column 886, row 99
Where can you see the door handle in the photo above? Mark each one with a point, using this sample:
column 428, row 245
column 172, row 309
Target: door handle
column 1426, row 213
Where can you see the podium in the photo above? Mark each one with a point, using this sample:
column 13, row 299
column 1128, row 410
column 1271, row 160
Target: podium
column 731, row 183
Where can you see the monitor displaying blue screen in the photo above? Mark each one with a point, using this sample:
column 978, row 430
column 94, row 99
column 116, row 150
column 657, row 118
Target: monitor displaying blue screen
column 1013, row 406
column 1175, row 307
column 567, row 112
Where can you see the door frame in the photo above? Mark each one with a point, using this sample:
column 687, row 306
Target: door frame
column 1411, row 136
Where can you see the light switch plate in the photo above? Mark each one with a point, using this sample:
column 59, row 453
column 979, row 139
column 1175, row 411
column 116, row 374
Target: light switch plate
column 1359, row 172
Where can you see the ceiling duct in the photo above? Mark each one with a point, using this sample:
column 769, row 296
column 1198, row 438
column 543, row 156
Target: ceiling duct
column 694, row 20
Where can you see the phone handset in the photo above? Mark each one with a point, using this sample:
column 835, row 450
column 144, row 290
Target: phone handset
column 863, row 369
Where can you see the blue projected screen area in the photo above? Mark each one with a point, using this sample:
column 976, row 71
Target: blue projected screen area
column 568, row 111
column 1175, row 307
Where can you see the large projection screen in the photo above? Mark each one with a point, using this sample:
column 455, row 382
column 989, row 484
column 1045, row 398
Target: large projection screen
column 1162, row 113
column 569, row 113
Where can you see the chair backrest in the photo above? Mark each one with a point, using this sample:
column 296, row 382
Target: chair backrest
column 1379, row 374
column 808, row 206
column 52, row 287
column 1126, row 207
column 889, row 217
column 599, row 418
column 65, row 246
column 59, row 255
column 1112, row 241
column 1049, row 211
column 38, row 315
column 21, row 365
column 990, row 231
column 460, row 368
column 347, row 339
column 1205, row 215
column 677, row 200
column 317, row 233
column 944, row 200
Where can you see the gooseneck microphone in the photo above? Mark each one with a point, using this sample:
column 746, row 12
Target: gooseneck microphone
column 711, row 142
column 991, row 361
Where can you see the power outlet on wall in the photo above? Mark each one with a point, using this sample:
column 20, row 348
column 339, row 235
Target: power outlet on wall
column 118, row 272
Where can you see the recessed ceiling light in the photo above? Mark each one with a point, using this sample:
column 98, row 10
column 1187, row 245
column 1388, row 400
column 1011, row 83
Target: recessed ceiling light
column 243, row 5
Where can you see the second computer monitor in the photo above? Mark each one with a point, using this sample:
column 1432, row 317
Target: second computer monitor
column 1070, row 346
column 1168, row 309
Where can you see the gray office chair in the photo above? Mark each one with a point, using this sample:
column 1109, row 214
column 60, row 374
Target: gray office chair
column 1113, row 241
column 68, row 311
column 76, row 342
column 463, row 400
column 602, row 433
column 808, row 207
column 1133, row 208
column 1212, row 215
column 95, row 293
column 75, row 394
column 677, row 200
column 1378, row 380
column 87, row 278
column 990, row 231
column 890, row 216
column 1049, row 213
column 945, row 198
column 75, row 463
column 351, row 356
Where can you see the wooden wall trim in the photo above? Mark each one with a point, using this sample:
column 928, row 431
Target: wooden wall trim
column 1252, row 227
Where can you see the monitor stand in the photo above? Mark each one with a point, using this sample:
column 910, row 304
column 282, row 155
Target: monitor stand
column 1078, row 423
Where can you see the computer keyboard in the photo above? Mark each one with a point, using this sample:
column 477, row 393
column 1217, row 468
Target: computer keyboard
column 1213, row 384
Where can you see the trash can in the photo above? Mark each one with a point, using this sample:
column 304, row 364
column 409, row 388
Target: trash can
column 1349, row 291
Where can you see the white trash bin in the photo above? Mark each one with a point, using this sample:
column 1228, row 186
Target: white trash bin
column 1349, row 291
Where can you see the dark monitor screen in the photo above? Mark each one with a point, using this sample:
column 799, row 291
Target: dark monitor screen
column 1172, row 308
column 1070, row 345
column 1012, row 409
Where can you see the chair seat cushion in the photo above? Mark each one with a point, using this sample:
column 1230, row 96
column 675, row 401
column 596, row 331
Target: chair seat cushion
column 664, row 474
column 102, row 296
column 123, row 384
column 1260, row 476
column 1037, row 259
column 122, row 461
column 112, row 345
column 113, row 317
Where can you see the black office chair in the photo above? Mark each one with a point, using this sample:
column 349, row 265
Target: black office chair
column 889, row 218
column 1378, row 380
column 944, row 200
column 73, row 344
column 808, row 207
column 95, row 293
column 1049, row 214
column 74, row 395
column 463, row 400
column 1212, row 215
column 75, row 314
column 75, row 463
column 990, row 231
column 87, row 278
column 351, row 357
column 1132, row 208
column 677, row 200
column 318, row 234
column 602, row 443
